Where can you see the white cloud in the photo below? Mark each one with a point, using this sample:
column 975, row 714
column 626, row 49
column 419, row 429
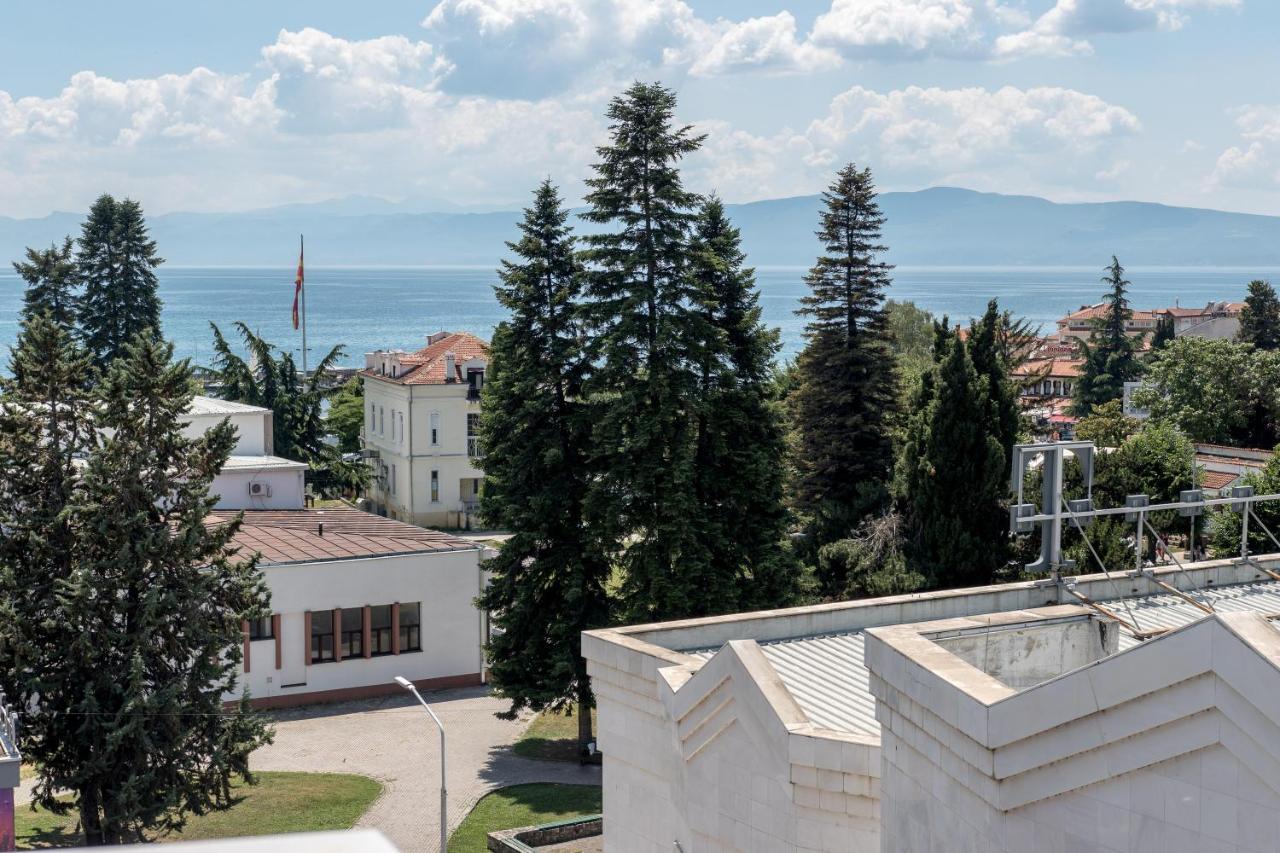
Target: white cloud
column 765, row 43
column 901, row 28
column 1007, row 138
column 1255, row 163
column 1063, row 30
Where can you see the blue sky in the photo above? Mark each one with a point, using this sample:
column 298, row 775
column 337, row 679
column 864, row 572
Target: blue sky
column 236, row 105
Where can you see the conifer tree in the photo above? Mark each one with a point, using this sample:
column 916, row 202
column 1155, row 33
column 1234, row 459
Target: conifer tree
column 646, row 338
column 116, row 263
column 738, row 480
column 1110, row 353
column 123, row 665
column 951, row 474
column 549, row 577
column 991, row 359
column 50, row 275
column 847, row 394
column 1164, row 333
column 1260, row 317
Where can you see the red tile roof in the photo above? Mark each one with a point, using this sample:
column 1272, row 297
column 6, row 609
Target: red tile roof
column 293, row 535
column 1217, row 479
column 1057, row 367
column 426, row 366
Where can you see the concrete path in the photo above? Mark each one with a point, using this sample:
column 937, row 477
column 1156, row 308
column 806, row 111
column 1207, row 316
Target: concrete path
column 394, row 741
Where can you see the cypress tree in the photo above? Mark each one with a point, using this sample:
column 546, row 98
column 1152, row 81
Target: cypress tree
column 991, row 359
column 549, row 578
column 125, row 654
column 1260, row 317
column 116, row 263
column 951, row 474
column 50, row 275
column 1164, row 333
column 847, row 393
column 1110, row 353
column 739, row 483
column 646, row 337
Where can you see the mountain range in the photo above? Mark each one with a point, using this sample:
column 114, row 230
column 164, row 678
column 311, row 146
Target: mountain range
column 941, row 226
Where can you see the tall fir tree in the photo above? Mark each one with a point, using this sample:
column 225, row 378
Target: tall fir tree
column 1260, row 317
column 50, row 275
column 738, row 481
column 1164, row 333
column 116, row 262
column 1111, row 352
column 847, row 394
column 646, row 337
column 951, row 475
column 992, row 360
column 124, row 658
column 549, row 578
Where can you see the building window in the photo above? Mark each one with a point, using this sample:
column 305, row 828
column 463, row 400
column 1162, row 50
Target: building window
column 435, row 486
column 260, row 629
column 410, row 627
column 380, row 630
column 321, row 636
column 435, row 429
column 402, row 427
column 352, row 632
column 382, row 421
column 393, row 479
column 473, row 436
column 475, row 381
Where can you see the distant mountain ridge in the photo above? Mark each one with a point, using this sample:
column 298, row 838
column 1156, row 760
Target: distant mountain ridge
column 941, row 226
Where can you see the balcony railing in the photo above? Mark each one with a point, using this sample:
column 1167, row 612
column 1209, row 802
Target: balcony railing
column 474, row 450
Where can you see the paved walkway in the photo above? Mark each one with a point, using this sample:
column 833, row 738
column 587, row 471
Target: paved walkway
column 394, row 741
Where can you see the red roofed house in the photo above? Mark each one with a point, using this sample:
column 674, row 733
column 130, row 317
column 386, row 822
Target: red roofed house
column 422, row 413
column 1214, row 320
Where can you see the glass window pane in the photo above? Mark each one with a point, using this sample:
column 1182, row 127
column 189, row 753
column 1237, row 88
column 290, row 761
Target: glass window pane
column 409, row 614
column 380, row 617
column 322, row 622
column 353, row 619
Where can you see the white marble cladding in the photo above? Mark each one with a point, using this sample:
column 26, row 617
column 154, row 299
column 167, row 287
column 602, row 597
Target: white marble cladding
column 714, row 778
column 1169, row 746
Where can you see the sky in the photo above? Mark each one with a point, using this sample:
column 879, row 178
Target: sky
column 243, row 104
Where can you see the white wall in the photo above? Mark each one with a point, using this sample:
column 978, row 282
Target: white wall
column 232, row 487
column 445, row 583
column 252, row 432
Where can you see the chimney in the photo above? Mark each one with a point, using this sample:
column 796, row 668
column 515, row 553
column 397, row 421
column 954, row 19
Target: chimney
column 450, row 371
column 436, row 336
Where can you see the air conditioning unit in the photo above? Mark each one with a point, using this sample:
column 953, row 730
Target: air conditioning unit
column 259, row 490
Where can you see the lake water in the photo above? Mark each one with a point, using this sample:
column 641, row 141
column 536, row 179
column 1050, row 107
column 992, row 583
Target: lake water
column 396, row 307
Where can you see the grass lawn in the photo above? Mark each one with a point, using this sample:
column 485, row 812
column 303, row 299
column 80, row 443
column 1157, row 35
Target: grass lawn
column 552, row 736
column 522, row 805
column 280, row 802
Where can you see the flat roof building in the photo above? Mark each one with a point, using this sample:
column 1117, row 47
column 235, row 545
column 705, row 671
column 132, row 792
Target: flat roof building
column 767, row 731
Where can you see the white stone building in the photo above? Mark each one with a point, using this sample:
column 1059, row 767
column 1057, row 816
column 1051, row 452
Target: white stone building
column 422, row 414
column 356, row 599
column 785, row 730
column 253, row 478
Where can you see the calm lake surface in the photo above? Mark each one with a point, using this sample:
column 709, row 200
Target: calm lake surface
column 396, row 307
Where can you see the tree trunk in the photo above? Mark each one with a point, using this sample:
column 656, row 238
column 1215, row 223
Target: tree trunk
column 90, row 819
column 584, row 723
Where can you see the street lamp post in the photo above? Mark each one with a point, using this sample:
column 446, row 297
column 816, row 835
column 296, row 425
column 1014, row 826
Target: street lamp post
column 444, row 794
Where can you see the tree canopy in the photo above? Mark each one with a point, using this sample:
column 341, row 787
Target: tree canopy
column 1111, row 352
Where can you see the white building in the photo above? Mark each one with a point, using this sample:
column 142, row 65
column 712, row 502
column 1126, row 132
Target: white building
column 253, row 478
column 1047, row 726
column 422, row 414
column 356, row 599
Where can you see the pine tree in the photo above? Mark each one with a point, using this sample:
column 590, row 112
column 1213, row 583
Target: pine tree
column 549, row 578
column 116, row 262
column 50, row 275
column 847, row 394
column 1260, row 317
column 991, row 359
column 646, row 338
column 738, row 481
column 1110, row 353
column 951, row 474
column 124, row 659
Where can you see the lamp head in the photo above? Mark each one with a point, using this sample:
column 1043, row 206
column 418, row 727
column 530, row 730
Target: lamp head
column 404, row 682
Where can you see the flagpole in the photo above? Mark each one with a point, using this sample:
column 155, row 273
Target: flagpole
column 301, row 252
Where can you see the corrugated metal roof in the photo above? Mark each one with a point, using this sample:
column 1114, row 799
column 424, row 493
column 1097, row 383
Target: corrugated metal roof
column 828, row 679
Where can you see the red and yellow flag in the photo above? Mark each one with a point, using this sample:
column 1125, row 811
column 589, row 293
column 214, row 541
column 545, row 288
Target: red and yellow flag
column 297, row 284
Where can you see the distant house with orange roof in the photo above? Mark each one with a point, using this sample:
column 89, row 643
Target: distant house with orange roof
column 421, row 429
column 1218, row 319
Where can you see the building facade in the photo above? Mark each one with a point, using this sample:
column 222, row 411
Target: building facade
column 792, row 730
column 421, row 432
column 253, row 477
